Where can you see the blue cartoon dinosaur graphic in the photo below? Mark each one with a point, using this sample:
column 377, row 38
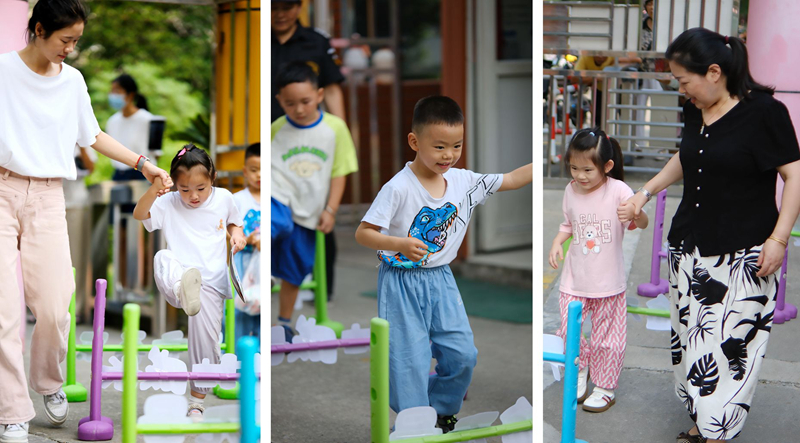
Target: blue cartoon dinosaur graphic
column 430, row 226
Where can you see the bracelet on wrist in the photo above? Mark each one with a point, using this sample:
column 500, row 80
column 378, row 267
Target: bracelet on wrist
column 330, row 210
column 646, row 193
column 776, row 239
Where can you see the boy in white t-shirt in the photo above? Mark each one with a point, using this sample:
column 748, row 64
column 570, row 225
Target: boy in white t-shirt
column 248, row 201
column 312, row 154
column 417, row 223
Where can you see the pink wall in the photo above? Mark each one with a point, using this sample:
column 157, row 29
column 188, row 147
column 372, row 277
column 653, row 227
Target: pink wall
column 13, row 21
column 773, row 36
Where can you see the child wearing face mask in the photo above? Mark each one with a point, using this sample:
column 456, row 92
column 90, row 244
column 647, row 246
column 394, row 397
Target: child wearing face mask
column 191, row 273
column 130, row 124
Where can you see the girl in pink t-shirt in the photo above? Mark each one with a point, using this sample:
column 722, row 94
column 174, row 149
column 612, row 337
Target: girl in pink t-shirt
column 593, row 274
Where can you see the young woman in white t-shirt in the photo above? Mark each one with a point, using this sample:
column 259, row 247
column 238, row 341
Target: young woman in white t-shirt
column 191, row 273
column 130, row 124
column 593, row 270
column 45, row 111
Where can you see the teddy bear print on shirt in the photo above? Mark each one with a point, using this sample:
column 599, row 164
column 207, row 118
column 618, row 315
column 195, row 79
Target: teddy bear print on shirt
column 591, row 240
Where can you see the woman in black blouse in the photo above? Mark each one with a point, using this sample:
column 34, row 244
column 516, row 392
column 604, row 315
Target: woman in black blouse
column 727, row 238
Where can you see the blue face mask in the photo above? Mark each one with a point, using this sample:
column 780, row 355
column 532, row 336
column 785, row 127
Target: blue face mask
column 117, row 101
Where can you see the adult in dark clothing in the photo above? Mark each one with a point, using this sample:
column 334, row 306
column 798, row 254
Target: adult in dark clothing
column 727, row 238
column 292, row 42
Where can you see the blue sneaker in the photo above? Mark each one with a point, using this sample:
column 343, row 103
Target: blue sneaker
column 289, row 333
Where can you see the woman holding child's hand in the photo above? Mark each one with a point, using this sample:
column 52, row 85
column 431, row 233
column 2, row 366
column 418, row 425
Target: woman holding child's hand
column 727, row 238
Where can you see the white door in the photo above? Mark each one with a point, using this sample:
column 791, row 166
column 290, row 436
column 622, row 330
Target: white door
column 502, row 116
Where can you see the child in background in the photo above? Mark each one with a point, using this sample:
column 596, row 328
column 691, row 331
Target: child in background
column 191, row 273
column 312, row 154
column 593, row 271
column 417, row 223
column 248, row 201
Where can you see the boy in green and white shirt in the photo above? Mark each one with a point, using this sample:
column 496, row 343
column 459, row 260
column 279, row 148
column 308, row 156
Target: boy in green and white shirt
column 312, row 153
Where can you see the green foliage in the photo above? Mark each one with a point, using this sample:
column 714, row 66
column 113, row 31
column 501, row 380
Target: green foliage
column 176, row 38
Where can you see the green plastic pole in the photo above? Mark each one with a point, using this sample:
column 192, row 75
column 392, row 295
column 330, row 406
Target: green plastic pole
column 474, row 434
column 199, row 428
column 648, row 311
column 379, row 380
column 321, row 289
column 130, row 329
column 75, row 391
column 228, row 346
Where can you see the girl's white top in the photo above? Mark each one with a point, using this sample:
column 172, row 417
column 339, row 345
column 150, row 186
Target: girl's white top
column 133, row 132
column 42, row 119
column 197, row 236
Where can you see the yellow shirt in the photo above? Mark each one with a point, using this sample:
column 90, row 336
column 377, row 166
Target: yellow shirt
column 586, row 63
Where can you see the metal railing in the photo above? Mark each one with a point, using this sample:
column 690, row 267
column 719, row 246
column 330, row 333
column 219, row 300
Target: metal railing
column 647, row 141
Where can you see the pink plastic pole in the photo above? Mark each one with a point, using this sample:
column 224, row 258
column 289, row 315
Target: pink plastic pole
column 657, row 285
column 771, row 29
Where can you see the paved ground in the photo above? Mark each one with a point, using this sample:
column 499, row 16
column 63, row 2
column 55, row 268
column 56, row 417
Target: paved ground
column 314, row 402
column 647, row 409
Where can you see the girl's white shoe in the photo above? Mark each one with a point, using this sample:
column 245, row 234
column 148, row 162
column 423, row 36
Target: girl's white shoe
column 600, row 400
column 188, row 291
column 583, row 381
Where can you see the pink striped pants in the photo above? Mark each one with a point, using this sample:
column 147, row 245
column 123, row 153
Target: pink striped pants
column 606, row 352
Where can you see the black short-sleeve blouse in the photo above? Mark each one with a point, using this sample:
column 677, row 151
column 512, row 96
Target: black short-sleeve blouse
column 729, row 175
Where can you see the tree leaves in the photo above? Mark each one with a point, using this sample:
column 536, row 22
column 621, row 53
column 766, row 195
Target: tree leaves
column 704, row 375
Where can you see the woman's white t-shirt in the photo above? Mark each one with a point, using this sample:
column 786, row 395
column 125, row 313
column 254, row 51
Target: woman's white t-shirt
column 133, row 132
column 197, row 236
column 42, row 119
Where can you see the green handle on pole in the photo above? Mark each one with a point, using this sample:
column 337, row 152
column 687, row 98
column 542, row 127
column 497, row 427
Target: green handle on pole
column 130, row 329
column 71, row 338
column 379, row 380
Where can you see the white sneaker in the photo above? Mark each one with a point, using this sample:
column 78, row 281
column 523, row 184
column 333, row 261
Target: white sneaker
column 196, row 412
column 583, row 381
column 188, row 291
column 600, row 400
column 56, row 407
column 16, row 433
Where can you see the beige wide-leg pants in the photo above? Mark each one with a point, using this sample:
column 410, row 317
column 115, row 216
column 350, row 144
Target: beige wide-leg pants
column 32, row 221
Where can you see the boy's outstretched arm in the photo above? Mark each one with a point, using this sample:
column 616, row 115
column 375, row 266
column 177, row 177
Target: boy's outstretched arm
column 370, row 235
column 142, row 209
column 517, row 178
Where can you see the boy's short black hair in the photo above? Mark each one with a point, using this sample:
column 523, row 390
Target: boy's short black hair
column 436, row 109
column 253, row 150
column 295, row 72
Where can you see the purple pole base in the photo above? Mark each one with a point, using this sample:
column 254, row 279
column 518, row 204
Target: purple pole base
column 98, row 430
column 783, row 311
column 651, row 290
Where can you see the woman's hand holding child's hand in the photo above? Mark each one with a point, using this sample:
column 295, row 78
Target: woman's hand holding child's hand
column 413, row 248
column 556, row 254
column 159, row 186
column 153, row 173
column 238, row 241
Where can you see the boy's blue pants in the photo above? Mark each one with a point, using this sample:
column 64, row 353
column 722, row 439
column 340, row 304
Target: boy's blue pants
column 423, row 305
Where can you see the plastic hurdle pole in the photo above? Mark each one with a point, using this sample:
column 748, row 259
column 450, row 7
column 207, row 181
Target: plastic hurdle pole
column 379, row 397
column 656, row 285
column 248, row 346
column 784, row 311
column 570, row 360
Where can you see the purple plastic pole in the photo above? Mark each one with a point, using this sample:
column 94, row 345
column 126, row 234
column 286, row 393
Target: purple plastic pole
column 327, row 344
column 783, row 311
column 95, row 427
column 657, row 285
column 176, row 376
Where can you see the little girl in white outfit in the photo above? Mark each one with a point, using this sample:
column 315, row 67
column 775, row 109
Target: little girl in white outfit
column 192, row 272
